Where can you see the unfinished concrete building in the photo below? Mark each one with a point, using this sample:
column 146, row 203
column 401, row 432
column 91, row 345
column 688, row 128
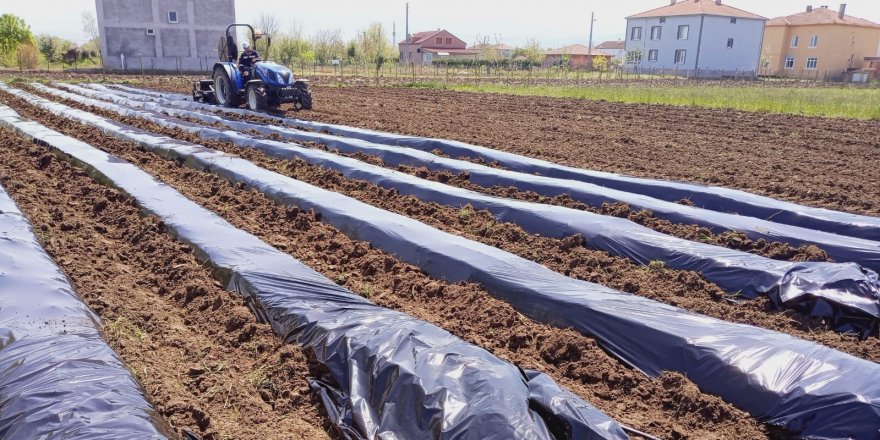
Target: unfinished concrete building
column 167, row 35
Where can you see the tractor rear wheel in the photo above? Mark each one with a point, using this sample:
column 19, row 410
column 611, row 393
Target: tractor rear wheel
column 256, row 97
column 224, row 92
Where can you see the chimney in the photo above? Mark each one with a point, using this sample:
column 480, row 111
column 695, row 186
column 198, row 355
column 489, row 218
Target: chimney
column 671, row 2
column 809, row 8
column 718, row 2
column 842, row 11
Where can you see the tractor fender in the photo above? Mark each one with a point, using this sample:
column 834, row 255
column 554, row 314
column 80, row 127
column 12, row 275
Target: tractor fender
column 234, row 75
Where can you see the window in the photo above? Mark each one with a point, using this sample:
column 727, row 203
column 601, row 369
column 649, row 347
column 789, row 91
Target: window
column 448, row 41
column 662, row 19
column 789, row 63
column 655, row 32
column 733, row 21
column 794, row 41
column 683, row 32
column 172, row 16
column 730, row 43
column 814, row 41
column 151, row 32
column 635, row 34
column 634, row 57
column 652, row 55
column 680, row 56
column 812, row 63
column 439, row 40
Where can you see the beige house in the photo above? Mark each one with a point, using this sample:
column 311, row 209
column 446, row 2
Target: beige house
column 819, row 43
column 577, row 56
column 494, row 51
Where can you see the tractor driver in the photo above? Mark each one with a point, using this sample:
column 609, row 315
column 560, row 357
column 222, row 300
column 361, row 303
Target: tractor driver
column 247, row 59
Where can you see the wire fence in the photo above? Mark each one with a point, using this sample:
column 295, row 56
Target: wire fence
column 476, row 71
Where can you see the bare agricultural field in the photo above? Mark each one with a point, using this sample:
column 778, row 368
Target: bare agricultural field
column 822, row 162
column 211, row 366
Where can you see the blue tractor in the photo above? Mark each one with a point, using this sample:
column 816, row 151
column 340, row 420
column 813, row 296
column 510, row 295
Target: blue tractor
column 265, row 85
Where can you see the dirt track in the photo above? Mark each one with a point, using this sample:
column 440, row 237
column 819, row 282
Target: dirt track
column 829, row 163
column 671, row 407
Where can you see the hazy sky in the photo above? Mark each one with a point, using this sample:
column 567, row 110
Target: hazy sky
column 553, row 22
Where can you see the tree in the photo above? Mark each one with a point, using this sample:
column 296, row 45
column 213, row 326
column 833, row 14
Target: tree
column 269, row 25
column 27, row 56
column 90, row 27
column 373, row 45
column 13, row 33
column 533, row 52
column 327, row 45
column 47, row 47
column 600, row 64
column 352, row 51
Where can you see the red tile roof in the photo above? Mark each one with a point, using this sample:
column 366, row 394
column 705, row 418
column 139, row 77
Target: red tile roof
column 577, row 49
column 697, row 7
column 820, row 16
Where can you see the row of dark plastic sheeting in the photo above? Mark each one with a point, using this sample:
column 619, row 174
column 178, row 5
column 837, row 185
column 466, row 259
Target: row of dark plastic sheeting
column 58, row 378
column 844, row 293
column 389, row 375
column 810, row 389
column 710, row 197
column 841, row 248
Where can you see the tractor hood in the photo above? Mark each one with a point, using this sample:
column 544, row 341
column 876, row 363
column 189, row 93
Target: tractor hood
column 274, row 73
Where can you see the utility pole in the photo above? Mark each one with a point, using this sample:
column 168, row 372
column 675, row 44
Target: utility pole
column 406, row 46
column 590, row 47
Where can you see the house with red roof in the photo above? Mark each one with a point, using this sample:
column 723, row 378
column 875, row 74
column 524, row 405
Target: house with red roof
column 695, row 37
column 427, row 47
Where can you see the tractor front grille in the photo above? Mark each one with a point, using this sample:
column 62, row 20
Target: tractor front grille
column 288, row 93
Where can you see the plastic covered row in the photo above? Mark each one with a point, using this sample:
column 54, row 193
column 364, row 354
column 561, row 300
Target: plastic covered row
column 715, row 198
column 389, row 375
column 840, row 248
column 58, row 377
column 808, row 388
column 842, row 292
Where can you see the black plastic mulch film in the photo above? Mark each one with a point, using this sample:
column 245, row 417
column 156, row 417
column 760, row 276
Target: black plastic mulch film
column 844, row 293
column 710, row 197
column 806, row 387
column 389, row 375
column 58, row 377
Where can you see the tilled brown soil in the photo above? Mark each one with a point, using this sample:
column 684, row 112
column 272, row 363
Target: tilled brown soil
column 199, row 353
column 684, row 289
column 671, row 406
column 730, row 239
column 823, row 162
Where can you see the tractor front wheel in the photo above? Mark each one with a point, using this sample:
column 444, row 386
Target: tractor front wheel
column 224, row 93
column 305, row 97
column 256, row 97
